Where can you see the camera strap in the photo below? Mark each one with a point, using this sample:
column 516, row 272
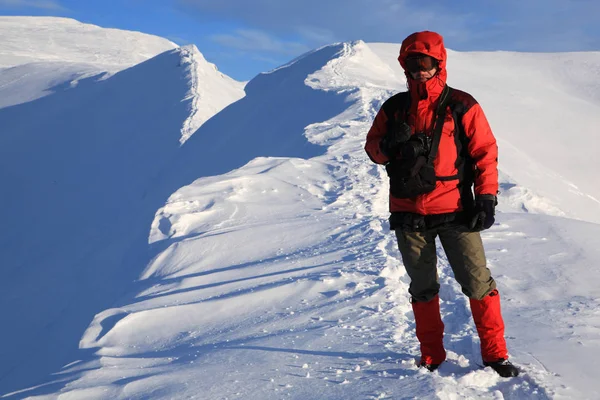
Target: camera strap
column 439, row 116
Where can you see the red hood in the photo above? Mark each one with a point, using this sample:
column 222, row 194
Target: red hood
column 431, row 44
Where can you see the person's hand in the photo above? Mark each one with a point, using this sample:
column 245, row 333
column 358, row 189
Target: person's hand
column 483, row 214
column 392, row 141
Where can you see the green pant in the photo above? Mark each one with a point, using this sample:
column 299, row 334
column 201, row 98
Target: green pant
column 465, row 253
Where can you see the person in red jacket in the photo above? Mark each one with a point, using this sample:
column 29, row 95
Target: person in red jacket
column 437, row 147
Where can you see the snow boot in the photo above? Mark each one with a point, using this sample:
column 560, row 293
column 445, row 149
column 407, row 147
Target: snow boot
column 490, row 326
column 430, row 332
column 429, row 367
column 504, row 368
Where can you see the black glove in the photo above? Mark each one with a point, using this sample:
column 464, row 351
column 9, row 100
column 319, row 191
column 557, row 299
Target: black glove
column 392, row 141
column 483, row 214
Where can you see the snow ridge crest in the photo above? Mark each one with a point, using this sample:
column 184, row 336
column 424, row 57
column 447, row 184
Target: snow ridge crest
column 209, row 90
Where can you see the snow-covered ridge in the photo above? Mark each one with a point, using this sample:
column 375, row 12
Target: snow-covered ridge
column 280, row 278
column 85, row 163
column 40, row 55
column 45, row 54
column 532, row 130
column 273, row 273
column 540, row 107
column 210, row 90
column 35, row 39
column 28, row 82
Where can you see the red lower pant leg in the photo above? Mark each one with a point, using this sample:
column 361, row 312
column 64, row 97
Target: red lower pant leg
column 430, row 330
column 490, row 326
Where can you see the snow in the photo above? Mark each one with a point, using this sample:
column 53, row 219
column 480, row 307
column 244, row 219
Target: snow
column 544, row 109
column 253, row 260
column 77, row 167
column 29, row 82
column 35, row 39
column 41, row 55
column 209, row 91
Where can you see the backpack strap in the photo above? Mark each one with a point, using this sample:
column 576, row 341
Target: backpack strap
column 399, row 104
column 440, row 116
column 464, row 163
column 395, row 109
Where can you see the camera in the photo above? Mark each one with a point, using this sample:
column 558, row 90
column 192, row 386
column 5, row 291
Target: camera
column 417, row 145
column 392, row 142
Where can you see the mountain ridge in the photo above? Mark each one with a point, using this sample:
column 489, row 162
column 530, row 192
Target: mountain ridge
column 80, row 167
column 29, row 39
column 257, row 251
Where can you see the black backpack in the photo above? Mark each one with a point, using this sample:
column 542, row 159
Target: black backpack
column 408, row 180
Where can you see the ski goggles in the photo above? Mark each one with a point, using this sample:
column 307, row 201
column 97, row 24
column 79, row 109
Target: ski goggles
column 420, row 62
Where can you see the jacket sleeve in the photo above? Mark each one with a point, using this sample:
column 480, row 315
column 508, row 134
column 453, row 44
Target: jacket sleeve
column 482, row 149
column 376, row 133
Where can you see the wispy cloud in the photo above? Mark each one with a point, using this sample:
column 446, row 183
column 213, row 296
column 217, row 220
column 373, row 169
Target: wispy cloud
column 181, row 41
column 319, row 22
column 539, row 25
column 255, row 40
column 532, row 25
column 39, row 4
column 316, row 35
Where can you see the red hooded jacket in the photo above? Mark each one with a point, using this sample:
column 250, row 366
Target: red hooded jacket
column 424, row 98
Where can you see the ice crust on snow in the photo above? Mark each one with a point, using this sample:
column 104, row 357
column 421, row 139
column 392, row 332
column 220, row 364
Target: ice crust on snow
column 254, row 260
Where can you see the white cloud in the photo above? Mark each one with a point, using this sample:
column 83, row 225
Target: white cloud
column 41, row 4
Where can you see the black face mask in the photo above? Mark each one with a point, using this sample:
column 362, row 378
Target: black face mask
column 420, row 62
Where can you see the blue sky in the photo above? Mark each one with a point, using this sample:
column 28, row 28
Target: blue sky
column 246, row 37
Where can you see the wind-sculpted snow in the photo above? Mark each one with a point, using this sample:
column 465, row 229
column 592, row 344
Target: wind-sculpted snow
column 271, row 272
column 42, row 55
column 87, row 175
column 80, row 168
column 273, row 119
column 31, row 81
column 37, row 39
column 210, row 91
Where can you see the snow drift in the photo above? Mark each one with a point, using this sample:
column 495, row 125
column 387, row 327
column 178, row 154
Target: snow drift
column 79, row 168
column 41, row 55
column 65, row 40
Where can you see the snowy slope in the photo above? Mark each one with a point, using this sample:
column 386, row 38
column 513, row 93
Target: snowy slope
column 28, row 82
column 210, row 90
column 545, row 111
column 40, row 55
column 36, row 39
column 79, row 169
column 274, row 275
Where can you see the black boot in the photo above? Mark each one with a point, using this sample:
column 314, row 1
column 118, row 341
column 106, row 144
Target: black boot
column 429, row 367
column 504, row 368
